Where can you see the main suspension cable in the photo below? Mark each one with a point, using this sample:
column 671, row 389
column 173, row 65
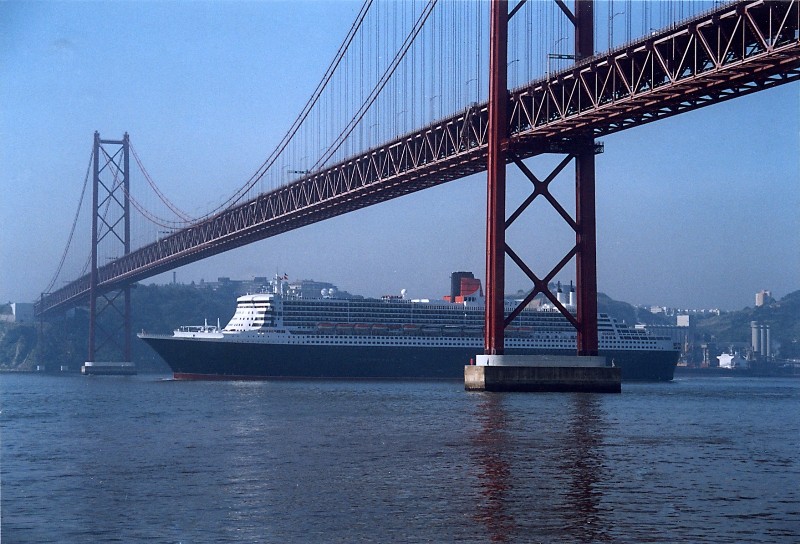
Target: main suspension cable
column 74, row 223
column 177, row 211
column 295, row 127
column 340, row 139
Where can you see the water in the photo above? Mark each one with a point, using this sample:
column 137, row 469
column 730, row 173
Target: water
column 112, row 459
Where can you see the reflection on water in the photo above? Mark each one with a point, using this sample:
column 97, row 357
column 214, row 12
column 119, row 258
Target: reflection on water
column 540, row 475
column 492, row 445
column 583, row 462
column 132, row 460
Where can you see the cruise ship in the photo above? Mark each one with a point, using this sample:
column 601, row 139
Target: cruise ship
column 276, row 334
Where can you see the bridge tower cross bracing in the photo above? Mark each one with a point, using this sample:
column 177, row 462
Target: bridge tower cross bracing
column 582, row 149
column 110, row 226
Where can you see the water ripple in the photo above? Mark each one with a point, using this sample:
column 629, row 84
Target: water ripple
column 141, row 459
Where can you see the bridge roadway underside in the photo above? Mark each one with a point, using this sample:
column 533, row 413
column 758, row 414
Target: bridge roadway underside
column 737, row 49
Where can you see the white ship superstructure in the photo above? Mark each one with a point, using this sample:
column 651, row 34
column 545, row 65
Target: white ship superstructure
column 271, row 317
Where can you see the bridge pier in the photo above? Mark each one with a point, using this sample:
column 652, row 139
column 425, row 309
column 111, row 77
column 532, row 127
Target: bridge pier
column 543, row 373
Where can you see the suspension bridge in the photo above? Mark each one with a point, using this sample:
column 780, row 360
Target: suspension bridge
column 423, row 93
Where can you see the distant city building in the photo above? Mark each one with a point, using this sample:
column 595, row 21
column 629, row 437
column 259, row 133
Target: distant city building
column 673, row 312
column 684, row 320
column 239, row 287
column 261, row 284
column 761, row 341
column 315, row 289
column 683, row 332
column 764, row 297
column 21, row 312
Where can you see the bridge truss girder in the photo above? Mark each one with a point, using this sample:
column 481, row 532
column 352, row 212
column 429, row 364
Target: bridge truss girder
column 737, row 49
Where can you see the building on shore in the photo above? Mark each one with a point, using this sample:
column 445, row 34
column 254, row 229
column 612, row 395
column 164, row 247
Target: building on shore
column 760, row 340
column 683, row 332
column 260, row 284
column 21, row 312
column 764, row 297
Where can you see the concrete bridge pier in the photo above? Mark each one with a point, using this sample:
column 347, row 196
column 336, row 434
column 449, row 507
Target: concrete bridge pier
column 542, row 373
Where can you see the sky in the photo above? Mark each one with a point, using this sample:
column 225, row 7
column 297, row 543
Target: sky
column 696, row 211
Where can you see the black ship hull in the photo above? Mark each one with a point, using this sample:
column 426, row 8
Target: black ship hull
column 209, row 359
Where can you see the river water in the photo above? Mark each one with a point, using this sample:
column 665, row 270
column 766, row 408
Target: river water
column 134, row 459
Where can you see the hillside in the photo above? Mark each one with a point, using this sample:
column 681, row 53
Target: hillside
column 155, row 308
column 782, row 316
column 17, row 346
column 622, row 311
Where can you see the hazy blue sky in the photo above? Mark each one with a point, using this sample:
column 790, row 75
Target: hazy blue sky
column 701, row 210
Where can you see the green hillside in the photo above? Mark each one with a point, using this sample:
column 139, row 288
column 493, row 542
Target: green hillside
column 155, row 308
column 783, row 317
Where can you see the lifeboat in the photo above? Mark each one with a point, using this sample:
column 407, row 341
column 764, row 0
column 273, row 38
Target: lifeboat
column 344, row 328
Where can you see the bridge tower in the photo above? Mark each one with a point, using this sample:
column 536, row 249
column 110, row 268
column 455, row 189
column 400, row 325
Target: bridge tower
column 582, row 150
column 111, row 231
column 586, row 231
column 496, row 371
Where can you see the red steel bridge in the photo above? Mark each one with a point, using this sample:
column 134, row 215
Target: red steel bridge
column 734, row 49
